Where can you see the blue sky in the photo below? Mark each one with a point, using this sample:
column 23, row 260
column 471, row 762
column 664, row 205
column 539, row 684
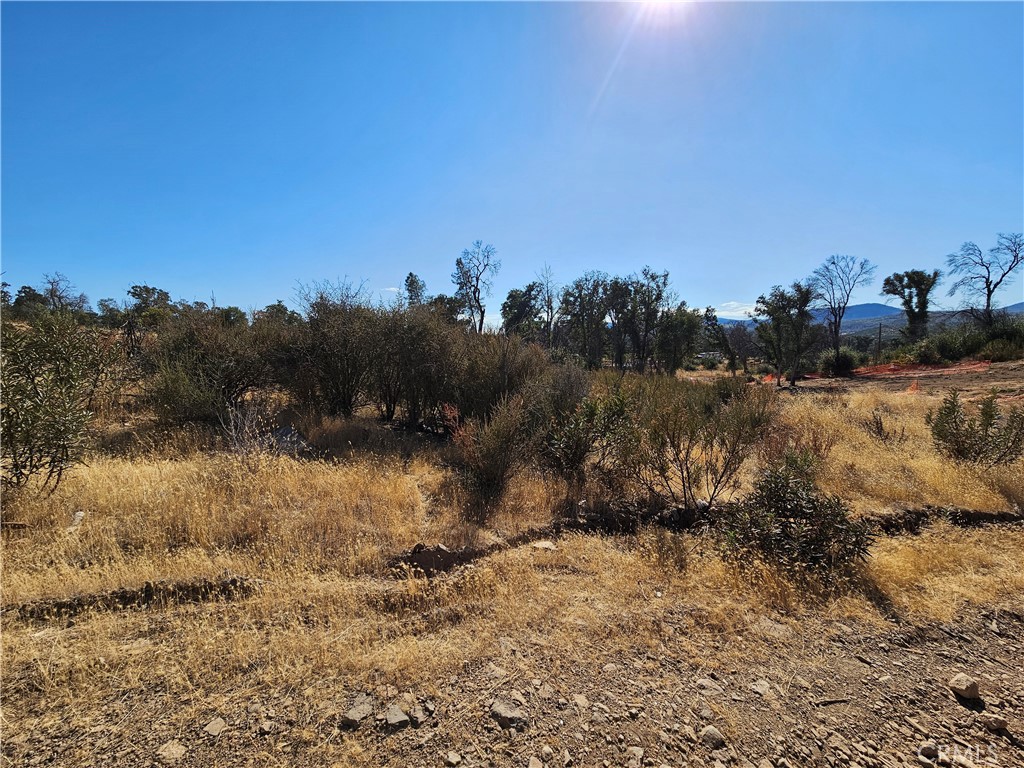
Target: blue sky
column 239, row 149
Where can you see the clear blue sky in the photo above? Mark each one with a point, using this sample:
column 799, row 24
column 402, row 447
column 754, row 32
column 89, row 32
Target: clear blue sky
column 238, row 149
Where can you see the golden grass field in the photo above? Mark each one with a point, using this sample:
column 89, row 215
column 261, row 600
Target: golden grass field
column 317, row 534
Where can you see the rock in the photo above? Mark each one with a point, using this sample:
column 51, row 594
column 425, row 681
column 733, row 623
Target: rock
column 547, row 753
column 712, row 737
column 267, row 727
column 452, row 759
column 172, row 751
column 508, row 715
column 215, row 726
column 518, row 698
column 992, row 721
column 395, row 717
column 581, row 701
column 964, row 686
column 535, row 763
column 928, row 749
column 548, row 545
column 710, row 686
column 361, row 709
column 689, row 733
column 636, row 757
column 762, row 687
column 566, row 757
column 417, row 715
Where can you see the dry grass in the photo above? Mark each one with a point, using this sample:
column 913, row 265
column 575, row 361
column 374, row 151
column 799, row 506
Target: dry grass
column 325, row 623
column 871, row 474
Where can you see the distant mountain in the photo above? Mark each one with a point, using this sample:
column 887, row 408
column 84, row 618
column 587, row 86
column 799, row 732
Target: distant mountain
column 853, row 312
column 865, row 318
column 862, row 311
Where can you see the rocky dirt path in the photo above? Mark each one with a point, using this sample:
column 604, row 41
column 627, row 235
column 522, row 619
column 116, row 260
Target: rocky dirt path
column 775, row 694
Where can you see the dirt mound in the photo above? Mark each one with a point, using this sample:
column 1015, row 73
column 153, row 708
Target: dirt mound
column 151, row 593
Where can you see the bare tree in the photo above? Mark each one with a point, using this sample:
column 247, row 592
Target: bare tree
column 61, row 294
column 833, row 283
column 982, row 274
column 472, row 277
column 548, row 298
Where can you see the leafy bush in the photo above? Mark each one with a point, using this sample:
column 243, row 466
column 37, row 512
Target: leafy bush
column 787, row 523
column 585, row 438
column 50, row 376
column 841, row 365
column 992, row 438
column 1001, row 350
column 205, row 364
column 927, row 352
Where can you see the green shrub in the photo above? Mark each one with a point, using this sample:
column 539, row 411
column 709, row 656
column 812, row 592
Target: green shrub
column 991, row 438
column 841, row 365
column 1001, row 350
column 787, row 523
column 927, row 352
column 585, row 438
column 204, row 365
column 49, row 378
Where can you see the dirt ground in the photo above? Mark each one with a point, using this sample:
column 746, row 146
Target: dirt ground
column 976, row 379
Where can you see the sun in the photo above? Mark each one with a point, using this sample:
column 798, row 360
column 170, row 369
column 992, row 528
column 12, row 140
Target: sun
column 661, row 13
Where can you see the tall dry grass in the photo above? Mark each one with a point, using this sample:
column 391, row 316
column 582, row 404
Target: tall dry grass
column 873, row 474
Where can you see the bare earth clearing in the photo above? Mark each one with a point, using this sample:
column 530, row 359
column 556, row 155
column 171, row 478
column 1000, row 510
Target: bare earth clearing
column 583, row 650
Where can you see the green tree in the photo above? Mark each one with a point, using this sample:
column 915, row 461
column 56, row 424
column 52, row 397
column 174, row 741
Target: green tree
column 521, row 311
column 415, row 290
column 785, row 327
column 584, row 311
column 913, row 289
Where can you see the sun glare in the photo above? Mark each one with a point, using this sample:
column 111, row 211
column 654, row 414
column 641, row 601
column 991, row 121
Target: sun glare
column 663, row 11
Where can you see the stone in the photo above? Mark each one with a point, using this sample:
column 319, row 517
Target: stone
column 452, row 759
column 964, row 686
column 535, row 763
column 172, row 751
column 547, row 753
column 361, row 709
column 395, row 717
column 710, row 686
column 417, row 715
column 992, row 721
column 508, row 715
column 928, row 749
column 636, row 757
column 581, row 701
column 215, row 726
column 712, row 737
column 548, row 545
column 761, row 687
